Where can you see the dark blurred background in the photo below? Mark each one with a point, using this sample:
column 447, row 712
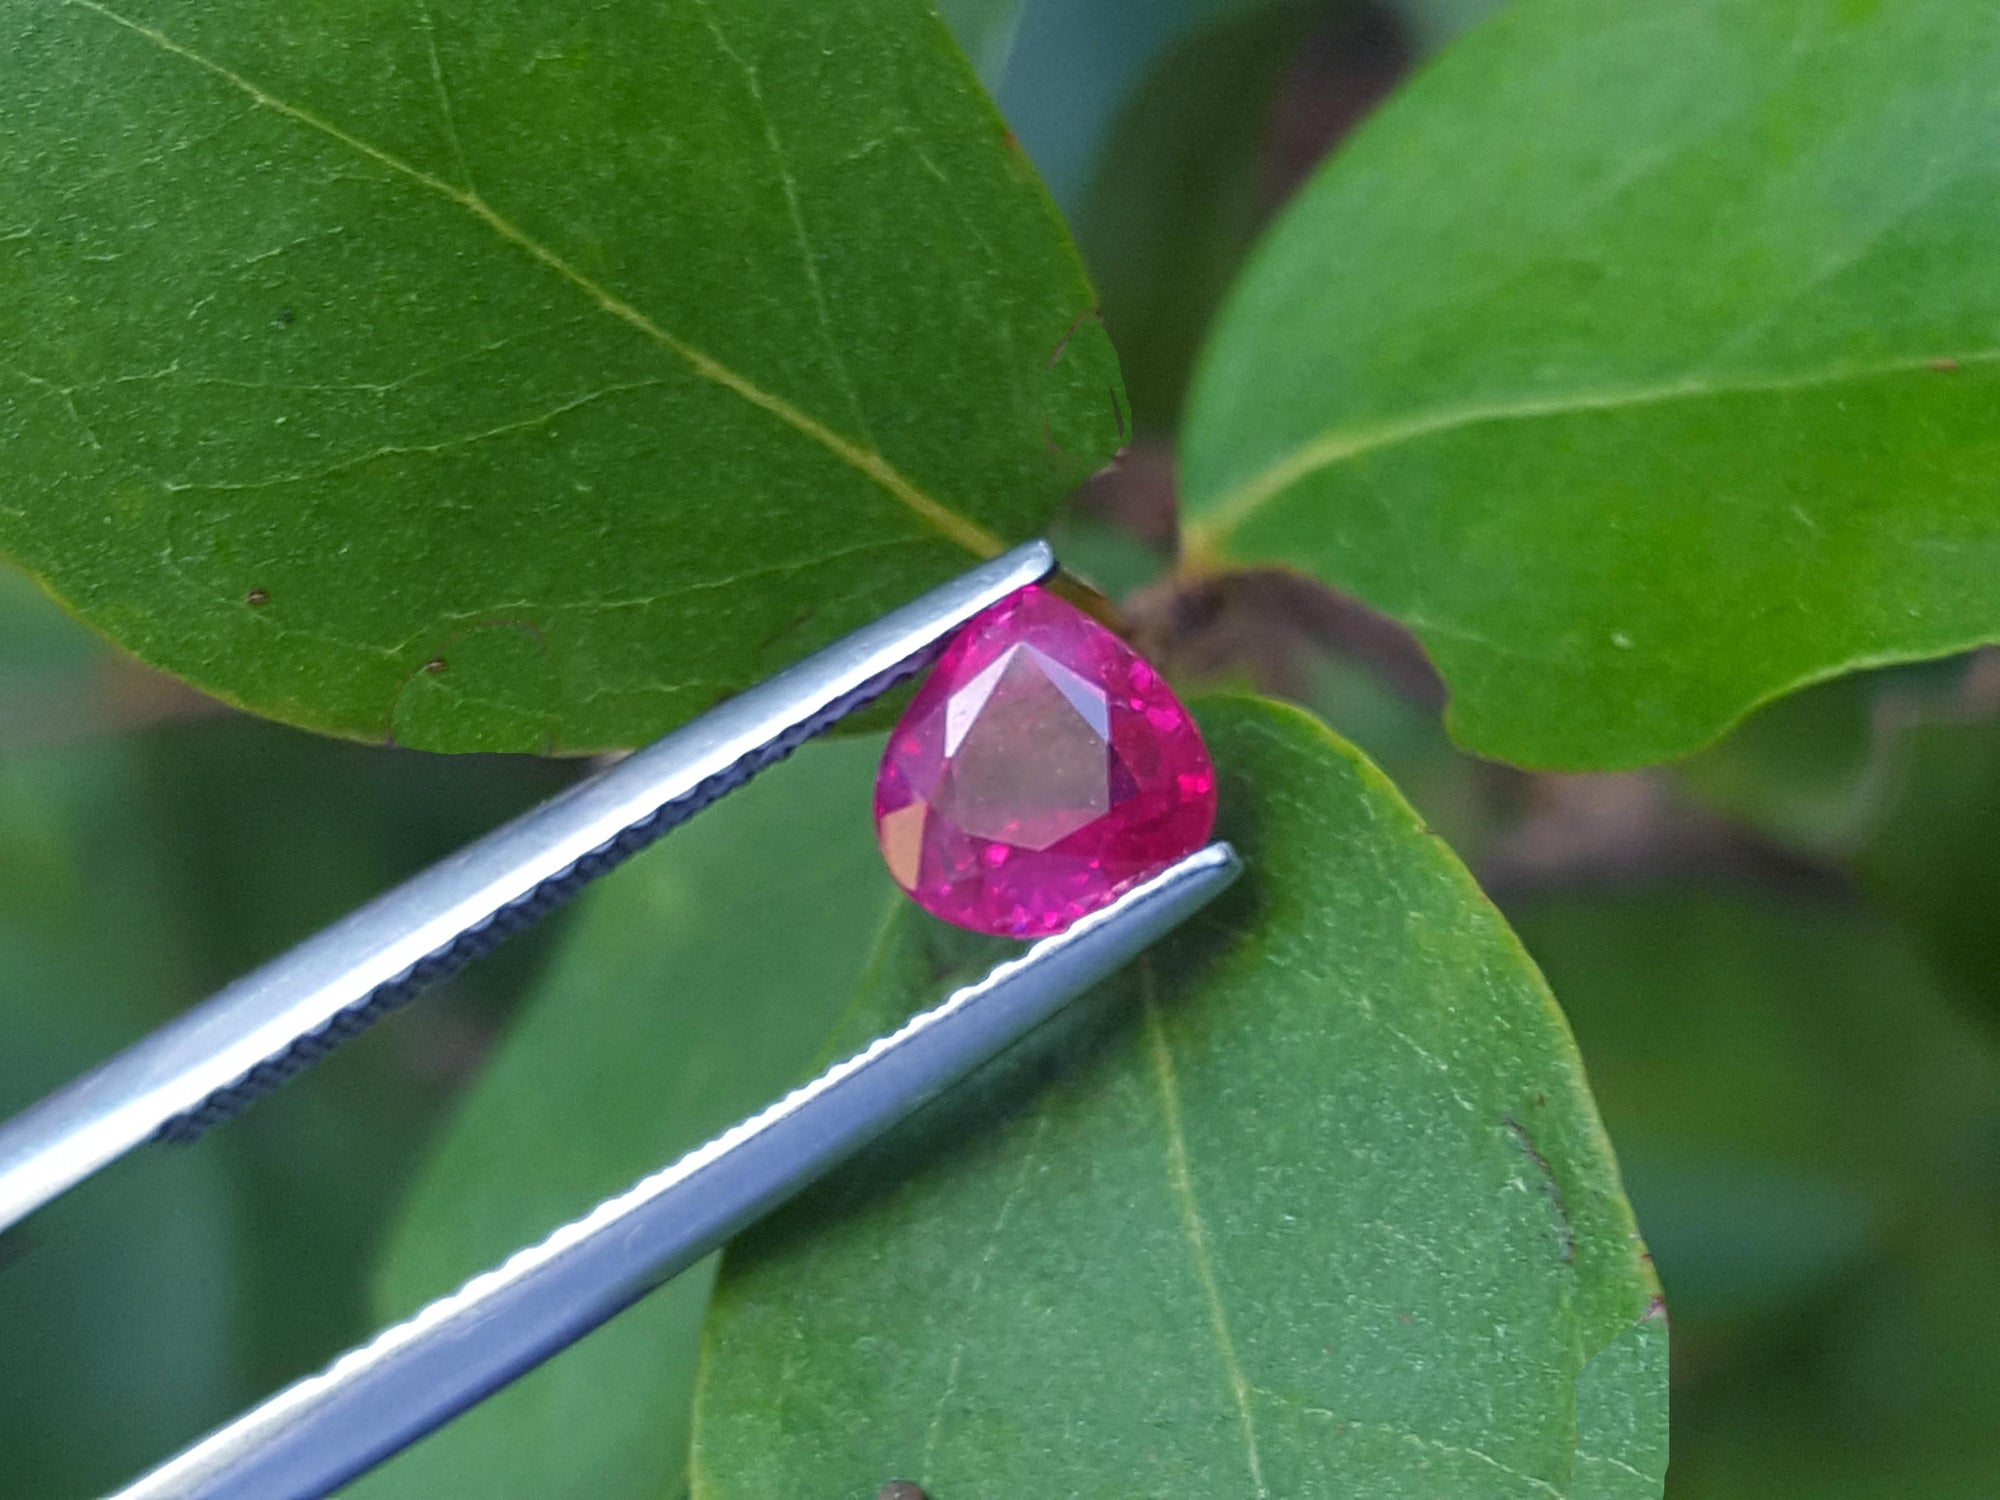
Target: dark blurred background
column 1779, row 956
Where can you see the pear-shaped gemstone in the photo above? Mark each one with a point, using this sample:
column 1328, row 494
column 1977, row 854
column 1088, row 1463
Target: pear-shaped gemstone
column 1041, row 770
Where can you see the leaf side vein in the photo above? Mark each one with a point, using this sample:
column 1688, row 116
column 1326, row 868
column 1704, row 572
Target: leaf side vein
column 1438, row 1445
column 449, row 115
column 788, row 186
column 1617, row 1463
column 1029, row 1163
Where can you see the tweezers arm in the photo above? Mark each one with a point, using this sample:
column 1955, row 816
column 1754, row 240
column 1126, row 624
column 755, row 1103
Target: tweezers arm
column 322, row 1432
column 258, row 1031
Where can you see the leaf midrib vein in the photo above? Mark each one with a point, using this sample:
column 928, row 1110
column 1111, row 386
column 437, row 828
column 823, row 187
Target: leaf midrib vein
column 960, row 529
column 1181, row 1175
column 1342, row 445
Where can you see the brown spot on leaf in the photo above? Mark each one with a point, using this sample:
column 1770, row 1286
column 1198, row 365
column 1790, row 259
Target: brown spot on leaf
column 256, row 597
column 435, row 664
column 1062, row 344
column 1945, row 365
column 1565, row 1231
column 901, row 1489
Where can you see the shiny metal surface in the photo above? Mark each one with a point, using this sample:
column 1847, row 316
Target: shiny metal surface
column 255, row 1033
column 376, row 1400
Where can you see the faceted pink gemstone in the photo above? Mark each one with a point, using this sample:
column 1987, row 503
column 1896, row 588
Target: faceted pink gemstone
column 1041, row 771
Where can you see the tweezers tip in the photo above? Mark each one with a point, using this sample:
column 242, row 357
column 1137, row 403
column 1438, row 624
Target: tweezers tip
column 1216, row 864
column 1219, row 855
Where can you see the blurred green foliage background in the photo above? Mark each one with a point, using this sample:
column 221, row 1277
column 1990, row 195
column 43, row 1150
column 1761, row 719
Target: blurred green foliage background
column 1779, row 956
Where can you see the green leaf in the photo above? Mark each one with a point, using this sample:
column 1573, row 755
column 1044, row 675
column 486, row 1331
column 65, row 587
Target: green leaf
column 119, row 1305
column 1315, row 1203
column 1792, row 1053
column 265, row 835
column 698, row 984
column 207, row 847
column 116, row 1302
column 1452, row 792
column 526, row 380
column 1642, row 359
column 1928, row 853
column 40, row 649
column 1800, row 768
column 136, row 874
column 1806, row 1123
column 1181, row 188
column 1812, row 769
column 1073, row 65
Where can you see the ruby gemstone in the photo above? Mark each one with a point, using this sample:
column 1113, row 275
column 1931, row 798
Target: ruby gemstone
column 1041, row 771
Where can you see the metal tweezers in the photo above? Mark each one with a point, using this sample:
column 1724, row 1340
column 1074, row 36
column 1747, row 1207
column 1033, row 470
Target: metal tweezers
column 412, row 1378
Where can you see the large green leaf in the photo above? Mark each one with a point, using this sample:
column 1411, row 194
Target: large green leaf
column 524, row 379
column 698, row 984
column 1316, row 1203
column 1641, row 358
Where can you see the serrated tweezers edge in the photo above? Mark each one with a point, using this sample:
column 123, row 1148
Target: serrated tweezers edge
column 411, row 1378
column 256, row 1033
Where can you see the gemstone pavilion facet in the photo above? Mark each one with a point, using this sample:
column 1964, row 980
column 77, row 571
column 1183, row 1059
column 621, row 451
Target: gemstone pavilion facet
column 1042, row 770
